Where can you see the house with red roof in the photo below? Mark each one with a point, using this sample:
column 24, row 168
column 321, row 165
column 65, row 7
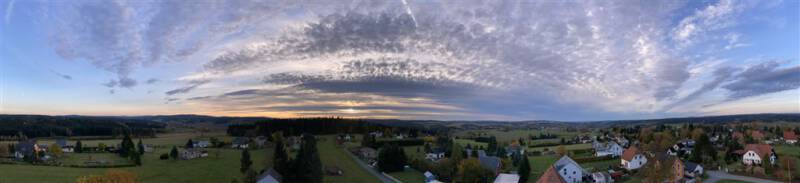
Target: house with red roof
column 755, row 154
column 633, row 158
column 789, row 137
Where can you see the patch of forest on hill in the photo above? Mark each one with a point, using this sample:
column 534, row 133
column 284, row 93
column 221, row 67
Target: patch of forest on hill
column 33, row 126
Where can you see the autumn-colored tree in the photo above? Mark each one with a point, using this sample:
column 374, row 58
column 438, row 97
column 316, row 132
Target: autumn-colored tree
column 111, row 176
column 55, row 150
column 4, row 152
column 561, row 150
column 471, row 171
column 697, row 132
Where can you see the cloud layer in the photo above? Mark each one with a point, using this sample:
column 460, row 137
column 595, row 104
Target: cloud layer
column 422, row 59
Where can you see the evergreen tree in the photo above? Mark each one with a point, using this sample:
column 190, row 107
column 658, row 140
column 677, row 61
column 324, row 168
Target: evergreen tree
column 246, row 161
column 524, row 169
column 189, row 144
column 250, row 176
column 174, row 153
column 137, row 158
column 501, row 152
column 126, row 147
column 280, row 158
column 307, row 167
column 141, row 147
column 78, row 147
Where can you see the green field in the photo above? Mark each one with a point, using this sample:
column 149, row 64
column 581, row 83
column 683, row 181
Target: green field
column 539, row 164
column 222, row 168
column 600, row 165
column 507, row 136
column 409, row 176
column 330, row 154
column 567, row 147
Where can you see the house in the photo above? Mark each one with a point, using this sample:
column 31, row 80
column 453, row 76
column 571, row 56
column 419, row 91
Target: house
column 684, row 147
column 675, row 165
column 201, row 144
column 270, row 176
column 240, row 143
column 611, row 149
column 755, row 154
column 622, row 141
column 26, row 148
column 491, row 163
column 691, row 170
column 333, row 170
column 261, row 141
column 514, row 150
column 435, row 154
column 193, row 153
column 550, row 176
column 149, row 148
column 601, row 177
column 569, row 170
column 633, row 159
column 789, row 137
column 757, row 135
column 507, row 178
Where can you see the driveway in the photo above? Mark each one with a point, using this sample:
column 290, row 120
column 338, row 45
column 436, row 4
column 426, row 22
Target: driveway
column 369, row 169
column 714, row 176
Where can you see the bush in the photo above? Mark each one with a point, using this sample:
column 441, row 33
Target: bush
column 164, row 156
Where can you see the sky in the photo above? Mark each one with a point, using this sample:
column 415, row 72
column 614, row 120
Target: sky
column 405, row 59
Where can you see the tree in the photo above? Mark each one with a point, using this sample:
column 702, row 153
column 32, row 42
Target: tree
column 141, row 147
column 471, row 171
column 307, row 166
column 280, row 158
column 524, row 169
column 137, row 158
column 174, row 152
column 126, row 146
column 246, row 162
column 55, row 150
column 78, row 147
column 561, row 150
column 4, row 152
column 391, row 158
column 250, row 176
column 189, row 144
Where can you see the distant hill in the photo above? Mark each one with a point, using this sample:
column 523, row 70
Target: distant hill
column 46, row 126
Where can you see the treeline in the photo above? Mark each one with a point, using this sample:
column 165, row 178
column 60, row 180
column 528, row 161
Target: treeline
column 293, row 127
column 32, row 126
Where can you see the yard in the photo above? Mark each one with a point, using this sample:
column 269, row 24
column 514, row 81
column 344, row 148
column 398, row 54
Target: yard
column 330, row 154
column 539, row 164
column 409, row 175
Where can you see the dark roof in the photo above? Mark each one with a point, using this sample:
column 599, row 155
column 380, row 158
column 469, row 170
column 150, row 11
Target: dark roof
column 689, row 166
column 61, row 142
column 490, row 162
column 25, row 147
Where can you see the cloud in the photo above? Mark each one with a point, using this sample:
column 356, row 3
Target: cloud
column 711, row 18
column 189, row 87
column 65, row 76
column 9, row 11
column 762, row 79
column 152, row 81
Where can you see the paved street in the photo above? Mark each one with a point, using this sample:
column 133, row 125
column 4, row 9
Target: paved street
column 715, row 176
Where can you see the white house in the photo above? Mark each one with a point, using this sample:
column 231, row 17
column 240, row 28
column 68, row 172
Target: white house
column 790, row 137
column 612, row 149
column 755, row 154
column 507, row 178
column 692, row 170
column 201, row 144
column 569, row 170
column 435, row 154
column 633, row 159
column 601, row 177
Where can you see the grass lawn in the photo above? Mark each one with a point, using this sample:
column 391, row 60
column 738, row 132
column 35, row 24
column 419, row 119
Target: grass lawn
column 210, row 169
column 600, row 165
column 731, row 181
column 411, row 152
column 330, row 154
column 790, row 150
column 82, row 158
column 567, row 147
column 539, row 164
column 464, row 142
column 508, row 136
column 410, row 176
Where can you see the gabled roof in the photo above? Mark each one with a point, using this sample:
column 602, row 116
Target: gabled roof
column 689, row 166
column 269, row 173
column 629, row 153
column 564, row 161
column 489, row 162
column 760, row 149
column 510, row 178
column 757, row 135
column 789, row 135
column 550, row 176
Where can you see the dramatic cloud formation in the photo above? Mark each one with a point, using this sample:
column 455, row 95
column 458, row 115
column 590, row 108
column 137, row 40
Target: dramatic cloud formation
column 423, row 59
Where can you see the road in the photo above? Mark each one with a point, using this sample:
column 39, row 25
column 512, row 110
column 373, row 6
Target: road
column 714, row 176
column 369, row 169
